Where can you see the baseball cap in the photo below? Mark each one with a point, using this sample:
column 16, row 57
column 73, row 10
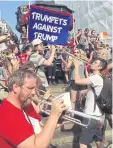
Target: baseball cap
column 36, row 42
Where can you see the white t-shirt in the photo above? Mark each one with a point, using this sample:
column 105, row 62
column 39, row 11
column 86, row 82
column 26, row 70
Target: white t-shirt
column 97, row 83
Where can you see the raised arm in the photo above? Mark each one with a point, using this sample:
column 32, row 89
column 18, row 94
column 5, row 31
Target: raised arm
column 51, row 58
column 76, row 39
column 69, row 62
column 78, row 79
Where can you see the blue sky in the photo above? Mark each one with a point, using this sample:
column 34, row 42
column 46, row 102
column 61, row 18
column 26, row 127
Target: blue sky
column 8, row 9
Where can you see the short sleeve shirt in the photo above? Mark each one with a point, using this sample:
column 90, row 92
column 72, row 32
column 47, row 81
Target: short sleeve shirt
column 97, row 83
column 14, row 126
column 38, row 61
column 22, row 58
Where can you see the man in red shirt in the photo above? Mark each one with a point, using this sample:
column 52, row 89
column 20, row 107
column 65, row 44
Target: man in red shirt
column 19, row 127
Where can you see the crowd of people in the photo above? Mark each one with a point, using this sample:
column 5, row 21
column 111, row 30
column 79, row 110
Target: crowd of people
column 22, row 76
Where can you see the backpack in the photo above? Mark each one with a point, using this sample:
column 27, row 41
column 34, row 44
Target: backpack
column 104, row 100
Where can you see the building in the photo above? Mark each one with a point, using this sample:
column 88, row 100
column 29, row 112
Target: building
column 92, row 14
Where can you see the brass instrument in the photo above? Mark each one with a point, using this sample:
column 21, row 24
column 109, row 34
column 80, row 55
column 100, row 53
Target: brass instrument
column 9, row 62
column 82, row 57
column 4, row 55
column 69, row 114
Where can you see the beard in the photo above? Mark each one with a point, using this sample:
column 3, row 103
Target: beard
column 28, row 101
column 24, row 101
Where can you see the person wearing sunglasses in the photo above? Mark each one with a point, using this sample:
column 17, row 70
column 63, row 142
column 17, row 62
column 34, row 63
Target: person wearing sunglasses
column 76, row 89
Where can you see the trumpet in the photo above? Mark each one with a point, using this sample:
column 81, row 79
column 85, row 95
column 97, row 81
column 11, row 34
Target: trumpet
column 69, row 115
column 6, row 55
column 82, row 57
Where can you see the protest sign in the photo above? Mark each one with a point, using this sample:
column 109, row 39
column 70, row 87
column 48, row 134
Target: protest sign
column 50, row 26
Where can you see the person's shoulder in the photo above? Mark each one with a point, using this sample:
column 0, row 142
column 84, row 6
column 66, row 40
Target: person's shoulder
column 95, row 77
column 96, row 80
column 98, row 75
column 3, row 105
column 35, row 55
column 6, row 112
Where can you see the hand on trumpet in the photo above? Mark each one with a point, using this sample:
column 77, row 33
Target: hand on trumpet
column 58, row 107
column 44, row 95
column 76, row 62
column 61, row 124
column 48, row 95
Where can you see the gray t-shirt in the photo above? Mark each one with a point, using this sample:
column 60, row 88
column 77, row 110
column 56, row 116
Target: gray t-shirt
column 97, row 83
column 38, row 61
column 81, row 71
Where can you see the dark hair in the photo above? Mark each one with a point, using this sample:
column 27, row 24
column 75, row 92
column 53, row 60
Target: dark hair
column 24, row 26
column 79, row 29
column 86, row 29
column 12, row 47
column 18, row 78
column 29, row 65
column 26, row 48
column 92, row 31
column 103, row 63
